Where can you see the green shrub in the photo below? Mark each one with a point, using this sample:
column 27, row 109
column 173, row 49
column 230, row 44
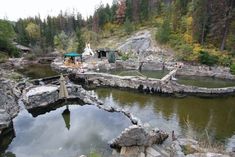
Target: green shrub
column 94, row 154
column 184, row 52
column 125, row 56
column 206, row 58
column 16, row 76
column 225, row 60
column 232, row 68
column 163, row 33
column 7, row 46
column 175, row 40
column 128, row 26
column 3, row 57
column 31, row 56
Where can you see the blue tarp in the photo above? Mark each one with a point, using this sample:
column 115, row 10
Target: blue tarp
column 72, row 54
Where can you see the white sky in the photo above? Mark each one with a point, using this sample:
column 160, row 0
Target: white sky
column 15, row 9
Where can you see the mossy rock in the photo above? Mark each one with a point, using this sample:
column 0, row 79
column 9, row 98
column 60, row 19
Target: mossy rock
column 3, row 57
column 94, row 154
column 189, row 149
column 15, row 76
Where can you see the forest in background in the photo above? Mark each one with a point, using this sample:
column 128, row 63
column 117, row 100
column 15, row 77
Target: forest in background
column 198, row 30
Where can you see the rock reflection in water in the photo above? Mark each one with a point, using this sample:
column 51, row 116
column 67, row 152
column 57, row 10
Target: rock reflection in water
column 187, row 116
column 46, row 135
column 66, row 116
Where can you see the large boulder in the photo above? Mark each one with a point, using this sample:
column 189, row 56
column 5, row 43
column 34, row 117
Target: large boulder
column 136, row 135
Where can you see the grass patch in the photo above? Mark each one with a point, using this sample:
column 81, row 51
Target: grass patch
column 94, row 154
column 3, row 57
column 232, row 68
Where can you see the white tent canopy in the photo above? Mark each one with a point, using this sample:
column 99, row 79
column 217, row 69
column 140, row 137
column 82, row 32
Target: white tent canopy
column 88, row 51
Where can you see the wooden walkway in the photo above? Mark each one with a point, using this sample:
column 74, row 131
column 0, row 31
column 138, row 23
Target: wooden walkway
column 169, row 76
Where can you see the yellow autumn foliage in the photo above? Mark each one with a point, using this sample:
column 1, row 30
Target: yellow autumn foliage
column 110, row 27
column 197, row 47
column 188, row 38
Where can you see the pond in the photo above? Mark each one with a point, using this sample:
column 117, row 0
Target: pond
column 36, row 71
column 79, row 130
column 208, row 82
column 189, row 116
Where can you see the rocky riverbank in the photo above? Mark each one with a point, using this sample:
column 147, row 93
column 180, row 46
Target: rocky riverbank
column 9, row 95
column 134, row 141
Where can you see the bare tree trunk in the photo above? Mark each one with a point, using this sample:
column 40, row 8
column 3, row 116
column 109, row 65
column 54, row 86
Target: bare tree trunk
column 203, row 33
column 227, row 23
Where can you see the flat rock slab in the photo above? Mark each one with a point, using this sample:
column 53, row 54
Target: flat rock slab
column 150, row 152
column 134, row 151
column 40, row 90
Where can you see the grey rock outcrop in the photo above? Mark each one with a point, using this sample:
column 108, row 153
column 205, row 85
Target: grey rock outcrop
column 134, row 151
column 5, row 119
column 139, row 42
column 9, row 107
column 136, row 135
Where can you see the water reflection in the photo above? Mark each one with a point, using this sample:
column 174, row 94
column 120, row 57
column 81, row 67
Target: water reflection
column 66, row 116
column 208, row 82
column 191, row 115
column 36, row 71
column 90, row 129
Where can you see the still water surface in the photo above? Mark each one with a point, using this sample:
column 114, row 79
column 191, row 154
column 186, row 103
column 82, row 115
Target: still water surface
column 85, row 129
column 36, row 71
column 208, row 82
column 186, row 116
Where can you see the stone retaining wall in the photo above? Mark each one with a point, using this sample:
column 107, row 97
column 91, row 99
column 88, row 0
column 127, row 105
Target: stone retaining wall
column 151, row 85
column 202, row 70
column 148, row 85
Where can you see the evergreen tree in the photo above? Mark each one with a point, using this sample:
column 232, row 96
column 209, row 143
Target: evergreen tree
column 144, row 10
column 128, row 14
column 129, row 28
column 7, row 34
column 163, row 34
column 21, row 34
column 200, row 20
column 220, row 20
column 80, row 40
